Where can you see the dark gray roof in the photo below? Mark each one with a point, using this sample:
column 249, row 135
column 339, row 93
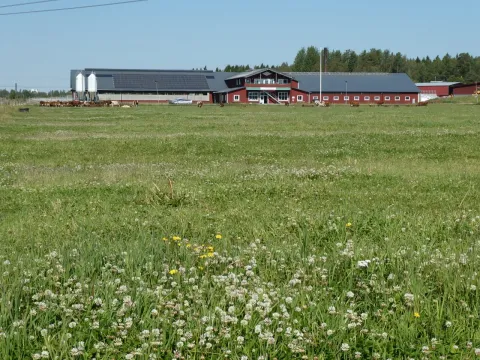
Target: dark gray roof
column 227, row 90
column 356, row 82
column 255, row 72
column 206, row 81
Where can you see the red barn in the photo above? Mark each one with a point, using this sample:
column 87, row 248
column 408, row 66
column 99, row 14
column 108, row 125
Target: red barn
column 438, row 88
column 262, row 86
column 466, row 89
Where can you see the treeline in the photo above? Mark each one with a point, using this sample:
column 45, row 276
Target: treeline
column 462, row 67
column 26, row 94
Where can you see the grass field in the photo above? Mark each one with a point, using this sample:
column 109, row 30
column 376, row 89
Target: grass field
column 240, row 233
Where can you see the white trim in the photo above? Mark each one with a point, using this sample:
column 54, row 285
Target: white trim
column 366, row 98
column 236, row 98
column 407, row 98
column 397, row 98
column 387, row 98
column 299, row 98
column 257, row 96
column 336, row 98
column 285, row 94
column 326, row 98
column 377, row 98
column 346, row 98
column 356, row 98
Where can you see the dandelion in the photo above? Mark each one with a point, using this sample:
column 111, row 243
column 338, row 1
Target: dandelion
column 348, row 225
column 165, row 239
column 218, row 237
column 416, row 314
column 173, row 272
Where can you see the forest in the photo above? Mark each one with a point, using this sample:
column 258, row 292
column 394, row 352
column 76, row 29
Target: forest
column 461, row 67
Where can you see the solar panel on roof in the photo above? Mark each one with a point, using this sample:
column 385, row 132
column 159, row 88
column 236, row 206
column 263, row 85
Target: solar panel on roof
column 160, row 81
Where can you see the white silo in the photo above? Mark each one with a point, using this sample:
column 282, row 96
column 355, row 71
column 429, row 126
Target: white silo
column 92, row 85
column 80, row 85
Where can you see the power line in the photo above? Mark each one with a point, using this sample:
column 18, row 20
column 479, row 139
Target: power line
column 27, row 3
column 72, row 8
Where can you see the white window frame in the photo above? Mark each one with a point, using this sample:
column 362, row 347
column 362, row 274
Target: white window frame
column 336, row 98
column 299, row 98
column 283, row 94
column 346, row 98
column 326, row 98
column 255, row 98
column 387, row 98
column 366, row 98
column 377, row 98
column 407, row 98
column 315, row 97
column 236, row 98
column 356, row 98
column 397, row 98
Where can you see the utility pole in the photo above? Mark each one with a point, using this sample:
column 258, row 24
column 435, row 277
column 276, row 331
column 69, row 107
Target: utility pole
column 320, row 99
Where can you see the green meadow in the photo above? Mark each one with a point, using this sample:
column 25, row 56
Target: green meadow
column 257, row 232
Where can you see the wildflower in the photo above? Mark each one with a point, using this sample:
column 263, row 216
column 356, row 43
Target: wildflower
column 473, row 288
column 350, row 295
column 345, row 347
column 416, row 314
column 218, row 237
column 409, row 297
column 164, row 239
column 348, row 225
column 154, row 312
column 477, row 352
column 72, row 325
column 240, row 340
column 36, row 356
column 173, row 272
column 363, row 263
column 45, row 354
column 330, row 332
column 44, row 332
column 176, row 238
column 448, row 324
column 358, row 355
column 129, row 356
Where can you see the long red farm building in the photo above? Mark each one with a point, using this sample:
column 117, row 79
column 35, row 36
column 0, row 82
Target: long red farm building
column 263, row 86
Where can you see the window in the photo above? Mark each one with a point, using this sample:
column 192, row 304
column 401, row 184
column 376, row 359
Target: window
column 377, row 98
column 299, row 97
column 346, row 98
column 253, row 96
column 367, row 98
column 247, row 81
column 356, row 98
column 387, row 98
column 325, row 98
column 283, row 96
column 236, row 97
column 407, row 98
column 336, row 98
column 238, row 82
column 397, row 98
column 315, row 98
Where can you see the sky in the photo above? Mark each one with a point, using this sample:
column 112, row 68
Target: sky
column 37, row 51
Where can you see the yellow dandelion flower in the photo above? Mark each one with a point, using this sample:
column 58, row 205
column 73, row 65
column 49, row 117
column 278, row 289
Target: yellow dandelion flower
column 188, row 246
column 165, row 239
column 200, row 267
column 348, row 225
column 176, row 238
column 210, row 249
column 416, row 314
column 173, row 272
column 210, row 254
column 202, row 256
column 218, row 237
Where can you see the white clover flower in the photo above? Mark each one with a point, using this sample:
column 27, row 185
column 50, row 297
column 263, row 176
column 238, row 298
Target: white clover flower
column 477, row 352
column 350, row 295
column 240, row 340
column 288, row 300
column 345, row 347
column 473, row 288
column 72, row 324
column 179, row 345
column 363, row 264
column 36, row 356
column 44, row 332
column 6, row 262
column 409, row 297
column 45, row 354
column 330, row 332
column 358, row 355
column 129, row 356
column 244, row 357
column 332, row 310
column 448, row 324
column 258, row 329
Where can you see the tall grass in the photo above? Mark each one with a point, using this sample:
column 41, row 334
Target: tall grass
column 240, row 233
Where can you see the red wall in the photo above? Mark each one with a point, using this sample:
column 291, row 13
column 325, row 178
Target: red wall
column 382, row 97
column 241, row 92
column 465, row 90
column 439, row 90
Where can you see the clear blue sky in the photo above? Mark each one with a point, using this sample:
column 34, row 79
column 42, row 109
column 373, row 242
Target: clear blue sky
column 38, row 50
